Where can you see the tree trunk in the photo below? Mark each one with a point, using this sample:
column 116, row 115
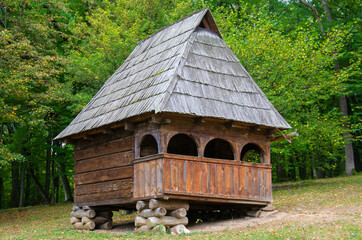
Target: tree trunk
column 15, row 184
column 22, row 186
column 38, row 186
column 65, row 183
column 343, row 104
column 347, row 137
column 348, row 146
column 1, row 192
column 47, row 169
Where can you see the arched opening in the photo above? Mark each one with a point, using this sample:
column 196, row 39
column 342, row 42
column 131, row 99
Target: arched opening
column 148, row 146
column 182, row 144
column 252, row 153
column 219, row 148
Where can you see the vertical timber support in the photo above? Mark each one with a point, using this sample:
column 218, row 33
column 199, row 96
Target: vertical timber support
column 89, row 218
column 155, row 215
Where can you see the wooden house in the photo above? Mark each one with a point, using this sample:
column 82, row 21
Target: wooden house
column 177, row 120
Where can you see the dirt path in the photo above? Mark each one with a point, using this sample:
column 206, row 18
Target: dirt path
column 273, row 220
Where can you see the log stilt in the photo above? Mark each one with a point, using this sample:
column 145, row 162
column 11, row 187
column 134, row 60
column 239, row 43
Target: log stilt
column 87, row 218
column 166, row 220
column 140, row 205
column 179, row 229
column 158, row 212
column 140, row 221
column 179, row 213
column 83, row 213
column 169, row 205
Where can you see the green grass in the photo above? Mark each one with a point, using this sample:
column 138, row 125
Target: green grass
column 319, row 209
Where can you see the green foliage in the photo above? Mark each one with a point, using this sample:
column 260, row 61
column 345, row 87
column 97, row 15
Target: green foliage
column 55, row 55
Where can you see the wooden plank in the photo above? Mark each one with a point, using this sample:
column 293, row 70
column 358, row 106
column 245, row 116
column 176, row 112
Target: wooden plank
column 220, row 181
column 243, row 182
column 141, row 179
column 167, row 175
column 174, row 175
column 120, row 145
column 196, row 183
column 204, row 177
column 236, row 179
column 126, row 193
column 182, row 175
column 104, row 162
column 152, row 177
column 147, row 179
column 269, row 185
column 249, row 179
column 103, row 175
column 228, row 180
column 136, row 181
column 159, row 176
column 256, row 184
column 219, row 200
column 212, row 178
column 103, row 187
column 189, row 176
column 262, row 184
column 217, row 161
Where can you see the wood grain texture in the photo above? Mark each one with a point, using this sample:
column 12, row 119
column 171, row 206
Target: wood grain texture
column 103, row 175
column 103, row 187
column 104, row 162
column 117, row 146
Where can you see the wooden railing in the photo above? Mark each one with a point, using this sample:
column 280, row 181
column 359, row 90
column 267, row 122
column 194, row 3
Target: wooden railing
column 177, row 175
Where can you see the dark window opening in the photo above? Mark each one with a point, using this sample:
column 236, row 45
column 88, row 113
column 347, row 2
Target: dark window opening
column 148, row 146
column 219, row 148
column 182, row 144
column 252, row 153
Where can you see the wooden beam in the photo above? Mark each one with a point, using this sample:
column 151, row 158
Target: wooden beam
column 159, row 120
column 199, row 120
column 108, row 131
column 88, row 137
column 129, row 127
column 285, row 136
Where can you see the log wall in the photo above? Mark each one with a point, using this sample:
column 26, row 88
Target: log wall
column 104, row 171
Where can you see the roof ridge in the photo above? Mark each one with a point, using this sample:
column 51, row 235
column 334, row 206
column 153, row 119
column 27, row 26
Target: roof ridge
column 161, row 29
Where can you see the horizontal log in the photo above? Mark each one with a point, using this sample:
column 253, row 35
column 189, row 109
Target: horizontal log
column 103, row 175
column 96, row 197
column 96, row 220
column 179, row 229
column 104, row 162
column 103, row 187
column 169, row 205
column 83, row 213
column 286, row 136
column 121, row 145
column 140, row 205
column 158, row 212
column 161, row 229
column 254, row 213
column 77, row 226
column 179, row 213
column 166, row 221
column 107, row 225
column 142, row 229
column 89, row 226
column 74, row 220
column 140, row 221
column 75, row 208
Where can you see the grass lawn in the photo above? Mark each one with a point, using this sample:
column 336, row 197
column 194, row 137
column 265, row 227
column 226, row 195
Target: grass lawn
column 318, row 209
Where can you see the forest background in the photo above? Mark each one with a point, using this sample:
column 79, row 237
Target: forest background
column 55, row 55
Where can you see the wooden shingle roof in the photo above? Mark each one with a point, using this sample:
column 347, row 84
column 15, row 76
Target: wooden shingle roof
column 183, row 68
